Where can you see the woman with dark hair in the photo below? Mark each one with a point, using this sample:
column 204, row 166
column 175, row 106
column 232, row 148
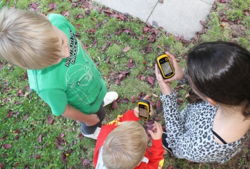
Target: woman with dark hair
column 215, row 129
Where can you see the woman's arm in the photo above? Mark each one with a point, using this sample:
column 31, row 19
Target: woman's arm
column 173, row 120
column 168, row 98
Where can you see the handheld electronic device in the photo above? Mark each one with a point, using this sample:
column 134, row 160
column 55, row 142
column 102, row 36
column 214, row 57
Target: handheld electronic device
column 165, row 66
column 144, row 109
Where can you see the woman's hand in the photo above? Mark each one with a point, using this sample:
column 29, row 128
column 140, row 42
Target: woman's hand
column 164, row 83
column 164, row 86
column 179, row 74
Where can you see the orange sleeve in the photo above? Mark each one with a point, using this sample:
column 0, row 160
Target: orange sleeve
column 154, row 155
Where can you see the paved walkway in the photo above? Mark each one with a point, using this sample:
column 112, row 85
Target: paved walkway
column 179, row 17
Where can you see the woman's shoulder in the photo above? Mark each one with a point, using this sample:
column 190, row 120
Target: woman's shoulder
column 201, row 106
column 205, row 149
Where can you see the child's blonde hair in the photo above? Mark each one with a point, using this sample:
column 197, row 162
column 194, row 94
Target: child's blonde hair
column 125, row 146
column 27, row 39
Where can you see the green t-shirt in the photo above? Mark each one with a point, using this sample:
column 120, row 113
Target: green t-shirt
column 74, row 81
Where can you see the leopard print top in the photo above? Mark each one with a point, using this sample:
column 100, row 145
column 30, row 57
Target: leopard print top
column 189, row 132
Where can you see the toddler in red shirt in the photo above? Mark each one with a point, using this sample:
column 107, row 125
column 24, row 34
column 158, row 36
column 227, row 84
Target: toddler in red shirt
column 123, row 144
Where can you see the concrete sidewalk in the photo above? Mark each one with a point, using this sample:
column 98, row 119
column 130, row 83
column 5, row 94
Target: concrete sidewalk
column 179, row 17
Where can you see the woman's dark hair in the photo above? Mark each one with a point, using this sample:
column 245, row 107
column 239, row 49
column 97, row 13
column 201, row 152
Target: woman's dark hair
column 221, row 71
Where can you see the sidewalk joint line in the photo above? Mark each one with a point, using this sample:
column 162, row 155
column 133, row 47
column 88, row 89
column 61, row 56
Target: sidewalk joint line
column 207, row 2
column 152, row 11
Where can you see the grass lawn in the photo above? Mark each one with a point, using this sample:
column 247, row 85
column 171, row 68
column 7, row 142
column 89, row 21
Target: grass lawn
column 124, row 49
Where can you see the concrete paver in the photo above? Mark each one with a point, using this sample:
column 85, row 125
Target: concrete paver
column 208, row 1
column 136, row 8
column 179, row 17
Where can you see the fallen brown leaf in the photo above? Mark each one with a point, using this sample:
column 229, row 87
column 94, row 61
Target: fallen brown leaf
column 65, row 13
column 86, row 162
column 114, row 105
column 6, row 146
column 123, row 100
column 130, row 63
column 40, row 138
column 37, row 156
column 50, row 120
column 151, row 80
column 126, row 49
column 79, row 16
column 133, row 99
column 34, row 6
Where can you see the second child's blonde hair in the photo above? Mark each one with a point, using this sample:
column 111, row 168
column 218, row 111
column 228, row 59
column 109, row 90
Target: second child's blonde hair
column 27, row 39
column 125, row 146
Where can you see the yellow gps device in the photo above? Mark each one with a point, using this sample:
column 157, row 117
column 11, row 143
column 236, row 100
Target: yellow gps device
column 165, row 66
column 144, row 109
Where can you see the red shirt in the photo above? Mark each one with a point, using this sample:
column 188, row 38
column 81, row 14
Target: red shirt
column 154, row 153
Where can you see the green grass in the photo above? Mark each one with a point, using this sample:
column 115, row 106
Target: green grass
column 26, row 121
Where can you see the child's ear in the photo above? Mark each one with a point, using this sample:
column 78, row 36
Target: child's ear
column 211, row 101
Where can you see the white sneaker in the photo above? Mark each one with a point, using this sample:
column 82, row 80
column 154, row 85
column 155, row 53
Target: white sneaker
column 94, row 135
column 109, row 98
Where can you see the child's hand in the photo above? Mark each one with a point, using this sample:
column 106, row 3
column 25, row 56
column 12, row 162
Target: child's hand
column 92, row 120
column 136, row 111
column 156, row 132
column 147, row 97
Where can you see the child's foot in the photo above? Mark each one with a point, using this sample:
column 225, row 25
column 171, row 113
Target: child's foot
column 109, row 98
column 93, row 135
column 165, row 144
column 90, row 131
